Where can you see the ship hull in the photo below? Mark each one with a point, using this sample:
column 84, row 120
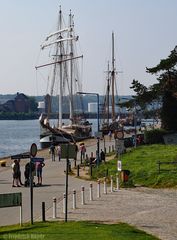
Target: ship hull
column 57, row 136
column 47, row 140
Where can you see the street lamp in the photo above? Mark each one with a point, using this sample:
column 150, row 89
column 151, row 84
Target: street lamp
column 98, row 121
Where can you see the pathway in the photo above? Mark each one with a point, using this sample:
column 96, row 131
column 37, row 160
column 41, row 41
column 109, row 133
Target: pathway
column 152, row 210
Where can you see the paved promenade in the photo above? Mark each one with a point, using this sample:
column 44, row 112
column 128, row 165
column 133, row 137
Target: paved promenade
column 53, row 186
column 151, row 210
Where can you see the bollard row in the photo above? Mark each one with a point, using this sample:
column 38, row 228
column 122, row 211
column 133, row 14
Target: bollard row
column 74, row 197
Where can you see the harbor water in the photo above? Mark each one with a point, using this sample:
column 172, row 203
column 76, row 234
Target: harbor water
column 16, row 136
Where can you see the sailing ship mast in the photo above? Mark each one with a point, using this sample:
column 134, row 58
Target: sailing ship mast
column 64, row 38
column 64, row 79
column 71, row 66
column 113, row 79
column 60, row 97
column 108, row 94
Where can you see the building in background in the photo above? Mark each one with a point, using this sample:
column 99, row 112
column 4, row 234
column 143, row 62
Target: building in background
column 92, row 107
column 41, row 107
column 20, row 104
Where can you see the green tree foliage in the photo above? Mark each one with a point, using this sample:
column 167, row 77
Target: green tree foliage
column 18, row 116
column 165, row 90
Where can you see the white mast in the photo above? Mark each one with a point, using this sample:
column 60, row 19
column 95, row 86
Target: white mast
column 71, row 67
column 63, row 40
column 61, row 75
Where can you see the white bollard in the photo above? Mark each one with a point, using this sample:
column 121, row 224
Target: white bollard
column 98, row 189
column 111, row 183
column 105, row 186
column 117, row 181
column 54, row 207
column 91, row 192
column 21, row 216
column 82, row 196
column 74, row 199
column 64, row 206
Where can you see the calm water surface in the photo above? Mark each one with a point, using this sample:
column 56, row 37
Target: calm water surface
column 16, row 136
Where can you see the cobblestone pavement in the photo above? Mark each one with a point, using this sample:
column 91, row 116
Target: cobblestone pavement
column 153, row 211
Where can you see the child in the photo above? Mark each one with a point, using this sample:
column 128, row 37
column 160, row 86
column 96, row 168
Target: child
column 59, row 152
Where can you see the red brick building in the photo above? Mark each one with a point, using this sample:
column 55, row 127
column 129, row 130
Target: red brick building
column 20, row 104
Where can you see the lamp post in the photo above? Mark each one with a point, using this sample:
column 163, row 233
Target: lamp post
column 98, row 122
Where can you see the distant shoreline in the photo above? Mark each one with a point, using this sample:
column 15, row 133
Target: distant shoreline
column 34, row 116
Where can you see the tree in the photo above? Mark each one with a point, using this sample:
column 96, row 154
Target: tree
column 33, row 104
column 165, row 90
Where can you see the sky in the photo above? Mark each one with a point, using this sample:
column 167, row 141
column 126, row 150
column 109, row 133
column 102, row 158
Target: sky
column 145, row 32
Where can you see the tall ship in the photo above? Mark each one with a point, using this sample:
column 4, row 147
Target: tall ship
column 64, row 82
column 109, row 121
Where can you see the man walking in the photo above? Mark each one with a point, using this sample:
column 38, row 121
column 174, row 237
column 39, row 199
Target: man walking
column 39, row 166
column 52, row 151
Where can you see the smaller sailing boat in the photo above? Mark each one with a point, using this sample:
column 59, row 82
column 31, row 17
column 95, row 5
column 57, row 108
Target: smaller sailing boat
column 63, row 82
column 109, row 100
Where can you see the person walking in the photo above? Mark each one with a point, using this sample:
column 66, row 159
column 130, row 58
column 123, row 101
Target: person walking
column 19, row 172
column 15, row 174
column 52, row 151
column 39, row 167
column 83, row 151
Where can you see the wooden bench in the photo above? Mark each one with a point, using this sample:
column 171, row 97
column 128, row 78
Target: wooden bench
column 3, row 163
column 173, row 163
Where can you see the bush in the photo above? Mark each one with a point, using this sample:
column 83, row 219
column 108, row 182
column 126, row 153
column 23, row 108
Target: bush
column 154, row 136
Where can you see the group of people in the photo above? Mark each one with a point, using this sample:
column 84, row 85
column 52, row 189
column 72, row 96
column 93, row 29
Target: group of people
column 36, row 170
column 84, row 156
column 56, row 150
column 53, row 150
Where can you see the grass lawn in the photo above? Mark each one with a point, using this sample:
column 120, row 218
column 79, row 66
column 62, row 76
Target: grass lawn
column 142, row 164
column 74, row 230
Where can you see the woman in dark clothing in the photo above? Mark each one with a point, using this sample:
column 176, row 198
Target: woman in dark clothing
column 102, row 156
